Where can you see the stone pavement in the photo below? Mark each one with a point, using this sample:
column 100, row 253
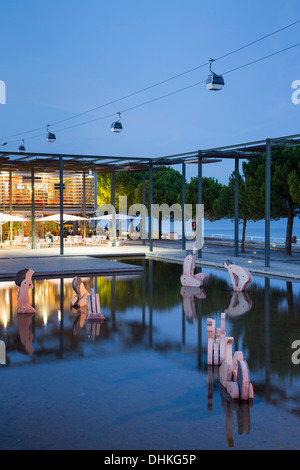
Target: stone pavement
column 89, row 260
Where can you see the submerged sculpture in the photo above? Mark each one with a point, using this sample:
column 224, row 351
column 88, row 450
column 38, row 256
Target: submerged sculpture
column 93, row 307
column 233, row 371
column 188, row 278
column 240, row 277
column 23, row 280
column 81, row 293
column 95, row 317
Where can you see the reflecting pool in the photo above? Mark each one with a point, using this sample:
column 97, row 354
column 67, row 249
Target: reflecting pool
column 139, row 379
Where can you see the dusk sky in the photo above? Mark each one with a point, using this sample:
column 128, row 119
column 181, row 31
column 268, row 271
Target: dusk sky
column 63, row 58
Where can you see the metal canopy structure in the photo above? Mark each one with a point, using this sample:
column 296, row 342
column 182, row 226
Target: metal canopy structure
column 51, row 162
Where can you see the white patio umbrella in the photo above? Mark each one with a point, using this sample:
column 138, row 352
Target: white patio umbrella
column 56, row 218
column 10, row 218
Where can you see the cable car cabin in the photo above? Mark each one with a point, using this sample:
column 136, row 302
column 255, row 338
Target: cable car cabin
column 50, row 137
column 116, row 126
column 215, row 82
column 21, row 148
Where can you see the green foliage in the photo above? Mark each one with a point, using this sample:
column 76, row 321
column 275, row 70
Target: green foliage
column 167, row 186
column 125, row 185
column 285, row 174
column 211, row 189
column 285, row 194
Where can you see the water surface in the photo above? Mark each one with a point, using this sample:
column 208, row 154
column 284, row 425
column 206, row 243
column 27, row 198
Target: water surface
column 140, row 380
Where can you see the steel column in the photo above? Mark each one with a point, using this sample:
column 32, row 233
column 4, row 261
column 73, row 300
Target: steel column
column 200, row 198
column 183, row 207
column 32, row 210
column 143, row 221
column 236, row 207
column 150, row 205
column 268, row 201
column 113, row 203
column 61, row 203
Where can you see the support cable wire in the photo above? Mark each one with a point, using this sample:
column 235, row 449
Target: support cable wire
column 158, row 83
column 169, row 94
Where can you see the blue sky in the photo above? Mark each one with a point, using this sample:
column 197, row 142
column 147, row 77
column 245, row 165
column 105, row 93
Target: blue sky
column 61, row 58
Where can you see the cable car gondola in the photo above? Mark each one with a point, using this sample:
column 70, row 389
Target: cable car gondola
column 214, row 82
column 22, row 147
column 50, row 136
column 117, row 125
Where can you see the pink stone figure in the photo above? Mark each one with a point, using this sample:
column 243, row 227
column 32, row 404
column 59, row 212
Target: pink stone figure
column 24, row 281
column 234, row 372
column 240, row 277
column 188, row 278
column 81, row 293
column 93, row 308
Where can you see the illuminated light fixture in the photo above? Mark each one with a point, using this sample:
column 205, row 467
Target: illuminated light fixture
column 91, row 174
column 249, row 261
column 117, row 125
column 50, row 136
column 22, row 147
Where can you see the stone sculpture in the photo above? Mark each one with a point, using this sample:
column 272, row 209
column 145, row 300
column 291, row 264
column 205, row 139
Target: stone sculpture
column 93, row 307
column 188, row 278
column 81, row 293
column 233, row 371
column 240, row 277
column 23, row 280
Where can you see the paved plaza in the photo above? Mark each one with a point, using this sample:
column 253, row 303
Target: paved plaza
column 93, row 259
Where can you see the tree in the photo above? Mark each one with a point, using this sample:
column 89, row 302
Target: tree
column 167, row 189
column 210, row 192
column 125, row 185
column 223, row 206
column 285, row 176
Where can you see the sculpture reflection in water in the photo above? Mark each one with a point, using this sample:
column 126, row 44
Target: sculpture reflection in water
column 93, row 316
column 188, row 301
column 26, row 337
column 234, row 378
column 25, row 311
column 240, row 303
column 230, row 406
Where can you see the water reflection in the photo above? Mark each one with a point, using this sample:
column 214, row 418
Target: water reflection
column 240, row 304
column 230, row 407
column 25, row 333
column 188, row 301
column 152, row 310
